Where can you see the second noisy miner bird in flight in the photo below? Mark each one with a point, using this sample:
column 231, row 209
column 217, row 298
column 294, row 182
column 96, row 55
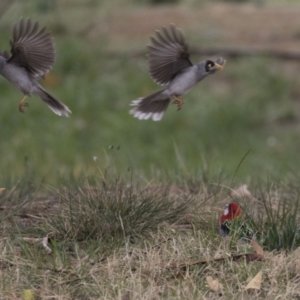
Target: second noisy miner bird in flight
column 32, row 56
column 170, row 66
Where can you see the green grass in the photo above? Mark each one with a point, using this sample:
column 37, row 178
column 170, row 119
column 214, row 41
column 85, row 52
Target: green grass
column 217, row 129
column 114, row 211
column 248, row 106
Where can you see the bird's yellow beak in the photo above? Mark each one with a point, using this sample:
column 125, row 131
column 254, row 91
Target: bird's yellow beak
column 218, row 67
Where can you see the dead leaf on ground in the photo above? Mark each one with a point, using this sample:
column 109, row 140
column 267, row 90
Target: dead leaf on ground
column 241, row 192
column 214, row 284
column 255, row 282
column 28, row 294
column 43, row 241
column 257, row 247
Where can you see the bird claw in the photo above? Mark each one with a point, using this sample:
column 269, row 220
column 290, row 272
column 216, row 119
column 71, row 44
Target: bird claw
column 22, row 105
column 179, row 102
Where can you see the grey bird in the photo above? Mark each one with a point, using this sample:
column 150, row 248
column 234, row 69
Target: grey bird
column 32, row 56
column 170, row 66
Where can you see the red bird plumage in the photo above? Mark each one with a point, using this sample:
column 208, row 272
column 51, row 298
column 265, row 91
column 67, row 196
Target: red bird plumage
column 231, row 212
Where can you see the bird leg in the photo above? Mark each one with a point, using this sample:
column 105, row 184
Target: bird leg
column 23, row 104
column 178, row 101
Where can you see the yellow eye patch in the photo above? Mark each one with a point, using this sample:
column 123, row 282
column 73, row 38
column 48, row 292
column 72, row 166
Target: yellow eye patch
column 210, row 65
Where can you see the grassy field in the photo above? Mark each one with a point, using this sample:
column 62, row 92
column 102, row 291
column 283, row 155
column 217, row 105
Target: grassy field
column 114, row 239
column 129, row 206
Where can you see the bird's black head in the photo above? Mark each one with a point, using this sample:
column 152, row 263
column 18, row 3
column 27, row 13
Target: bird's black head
column 211, row 67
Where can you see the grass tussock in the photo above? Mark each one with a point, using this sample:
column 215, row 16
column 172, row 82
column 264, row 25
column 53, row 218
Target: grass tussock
column 115, row 210
column 277, row 224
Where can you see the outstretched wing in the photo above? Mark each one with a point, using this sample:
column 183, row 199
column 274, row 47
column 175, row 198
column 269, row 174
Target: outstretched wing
column 32, row 48
column 169, row 54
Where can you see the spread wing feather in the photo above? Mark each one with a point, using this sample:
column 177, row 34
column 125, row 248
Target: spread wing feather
column 32, row 48
column 168, row 55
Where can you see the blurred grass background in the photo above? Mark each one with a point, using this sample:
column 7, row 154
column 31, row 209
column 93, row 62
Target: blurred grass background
column 253, row 105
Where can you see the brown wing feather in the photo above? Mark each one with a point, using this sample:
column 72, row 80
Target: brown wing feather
column 168, row 54
column 31, row 48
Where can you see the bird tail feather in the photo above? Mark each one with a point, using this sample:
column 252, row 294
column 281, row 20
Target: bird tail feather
column 56, row 106
column 152, row 106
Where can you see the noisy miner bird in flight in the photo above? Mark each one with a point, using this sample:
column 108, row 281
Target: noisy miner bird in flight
column 32, row 56
column 170, row 66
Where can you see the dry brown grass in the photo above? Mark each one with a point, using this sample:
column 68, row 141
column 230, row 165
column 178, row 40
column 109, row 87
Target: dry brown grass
column 141, row 270
column 139, row 266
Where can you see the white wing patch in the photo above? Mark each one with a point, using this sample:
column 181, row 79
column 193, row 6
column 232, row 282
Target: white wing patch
column 226, row 210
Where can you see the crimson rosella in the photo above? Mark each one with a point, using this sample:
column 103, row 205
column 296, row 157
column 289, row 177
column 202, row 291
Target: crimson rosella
column 231, row 212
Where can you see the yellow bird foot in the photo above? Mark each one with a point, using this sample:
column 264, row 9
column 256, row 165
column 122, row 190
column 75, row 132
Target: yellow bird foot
column 22, row 105
column 179, row 102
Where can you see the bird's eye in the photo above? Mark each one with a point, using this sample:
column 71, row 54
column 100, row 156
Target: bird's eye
column 209, row 66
